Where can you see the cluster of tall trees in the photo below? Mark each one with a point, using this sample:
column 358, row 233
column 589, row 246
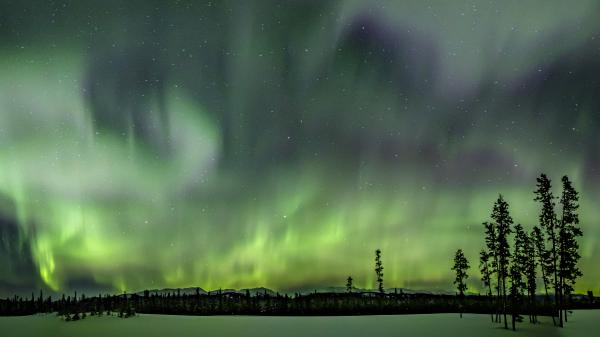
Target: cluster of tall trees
column 510, row 274
column 560, row 258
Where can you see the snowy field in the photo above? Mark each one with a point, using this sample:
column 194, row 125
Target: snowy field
column 581, row 324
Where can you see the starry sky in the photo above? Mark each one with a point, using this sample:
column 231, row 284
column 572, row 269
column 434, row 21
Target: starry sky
column 231, row 144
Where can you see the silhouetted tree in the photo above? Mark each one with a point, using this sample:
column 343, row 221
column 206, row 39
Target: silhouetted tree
column 379, row 270
column 484, row 269
column 41, row 301
column 491, row 242
column 518, row 269
column 568, row 247
column 544, row 258
column 548, row 221
column 503, row 222
column 460, row 267
column 531, row 275
column 349, row 284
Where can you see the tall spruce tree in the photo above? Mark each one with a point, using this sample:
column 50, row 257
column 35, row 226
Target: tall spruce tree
column 460, row 267
column 568, row 247
column 486, row 276
column 516, row 289
column 503, row 222
column 349, row 284
column 545, row 262
column 379, row 271
column 543, row 256
column 531, row 275
column 491, row 242
column 518, row 270
column 548, row 222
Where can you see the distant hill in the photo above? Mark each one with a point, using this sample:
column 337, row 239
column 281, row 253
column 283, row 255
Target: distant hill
column 302, row 291
column 193, row 291
column 165, row 291
column 260, row 290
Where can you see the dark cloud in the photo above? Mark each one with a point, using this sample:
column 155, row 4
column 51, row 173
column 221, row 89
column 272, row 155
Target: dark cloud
column 18, row 268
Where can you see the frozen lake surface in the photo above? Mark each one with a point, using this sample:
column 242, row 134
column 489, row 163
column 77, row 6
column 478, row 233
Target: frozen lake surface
column 581, row 324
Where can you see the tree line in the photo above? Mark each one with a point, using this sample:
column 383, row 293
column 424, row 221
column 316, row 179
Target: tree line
column 510, row 274
column 73, row 308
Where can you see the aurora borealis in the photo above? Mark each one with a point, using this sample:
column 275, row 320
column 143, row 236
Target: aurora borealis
column 231, row 144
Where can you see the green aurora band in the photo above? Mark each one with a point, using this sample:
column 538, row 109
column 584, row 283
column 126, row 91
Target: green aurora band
column 238, row 144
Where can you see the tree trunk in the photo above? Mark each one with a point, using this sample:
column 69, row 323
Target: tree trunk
column 497, row 290
column 560, row 304
column 498, row 300
column 561, row 280
column 547, row 298
column 498, row 303
column 490, row 297
column 504, row 301
column 563, row 297
column 534, row 307
column 529, row 297
column 531, row 312
column 513, row 322
column 556, row 284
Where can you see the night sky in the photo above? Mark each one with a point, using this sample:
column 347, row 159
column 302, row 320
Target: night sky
column 231, row 144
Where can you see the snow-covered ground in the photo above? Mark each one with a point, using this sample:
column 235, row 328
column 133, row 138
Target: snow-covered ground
column 581, row 323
